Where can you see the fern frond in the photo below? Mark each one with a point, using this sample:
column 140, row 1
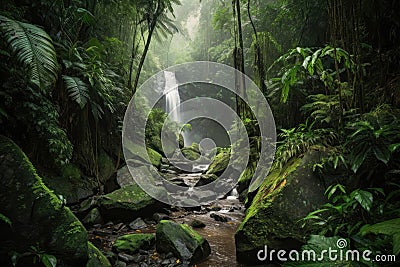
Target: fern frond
column 33, row 49
column 77, row 90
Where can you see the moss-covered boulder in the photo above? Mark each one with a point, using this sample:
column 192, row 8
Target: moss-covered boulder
column 73, row 188
column 180, row 239
column 127, row 203
column 191, row 152
column 220, row 162
column 131, row 243
column 96, row 257
column 155, row 157
column 285, row 197
column 39, row 218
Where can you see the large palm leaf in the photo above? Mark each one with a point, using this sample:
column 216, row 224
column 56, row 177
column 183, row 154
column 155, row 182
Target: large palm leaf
column 77, row 90
column 33, row 48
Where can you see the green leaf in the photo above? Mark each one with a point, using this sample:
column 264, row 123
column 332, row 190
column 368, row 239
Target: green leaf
column 49, row 260
column 382, row 154
column 365, row 199
column 5, row 219
column 77, row 90
column 389, row 227
column 33, row 49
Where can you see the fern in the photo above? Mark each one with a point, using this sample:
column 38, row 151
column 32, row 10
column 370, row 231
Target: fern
column 77, row 90
column 33, row 49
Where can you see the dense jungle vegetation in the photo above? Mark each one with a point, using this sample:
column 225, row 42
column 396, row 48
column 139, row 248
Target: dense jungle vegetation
column 330, row 70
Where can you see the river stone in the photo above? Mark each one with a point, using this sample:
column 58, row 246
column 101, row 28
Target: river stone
column 285, row 197
column 180, row 239
column 38, row 216
column 131, row 243
column 206, row 179
column 137, row 224
column 96, row 257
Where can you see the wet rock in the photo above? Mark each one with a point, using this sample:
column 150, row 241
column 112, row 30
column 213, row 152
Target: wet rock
column 219, row 217
column 93, row 217
column 96, row 258
column 206, row 179
column 286, row 196
column 182, row 241
column 137, row 224
column 126, row 257
column 120, row 264
column 40, row 215
column 157, row 217
column 197, row 224
column 132, row 243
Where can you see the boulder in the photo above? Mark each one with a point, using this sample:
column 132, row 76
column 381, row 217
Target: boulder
column 106, row 167
column 93, row 217
column 131, row 243
column 190, row 153
column 206, row 179
column 155, row 157
column 127, row 203
column 38, row 217
column 124, row 177
column 219, row 164
column 185, row 243
column 96, row 258
column 285, row 197
column 73, row 188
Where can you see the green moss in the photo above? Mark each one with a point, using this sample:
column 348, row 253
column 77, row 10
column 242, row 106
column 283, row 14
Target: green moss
column 190, row 153
column 31, row 202
column 133, row 242
column 181, row 240
column 96, row 257
column 70, row 171
column 130, row 197
column 106, row 166
column 220, row 162
column 155, row 157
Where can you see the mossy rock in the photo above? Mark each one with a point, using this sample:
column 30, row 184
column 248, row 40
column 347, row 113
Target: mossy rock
column 73, row 190
column 191, row 153
column 285, row 197
column 127, row 203
column 180, row 239
column 155, row 157
column 106, row 167
column 220, row 163
column 131, row 243
column 70, row 171
column 206, row 179
column 41, row 217
column 96, row 257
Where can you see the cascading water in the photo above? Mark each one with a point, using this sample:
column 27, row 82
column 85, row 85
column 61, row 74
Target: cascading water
column 173, row 100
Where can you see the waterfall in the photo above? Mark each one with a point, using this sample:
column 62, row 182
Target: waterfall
column 172, row 101
column 172, row 98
